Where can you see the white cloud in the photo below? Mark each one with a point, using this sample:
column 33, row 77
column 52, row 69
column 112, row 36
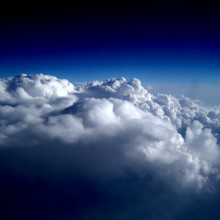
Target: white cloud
column 110, row 140
column 145, row 129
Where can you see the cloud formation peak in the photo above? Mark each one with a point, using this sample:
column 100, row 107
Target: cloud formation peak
column 113, row 129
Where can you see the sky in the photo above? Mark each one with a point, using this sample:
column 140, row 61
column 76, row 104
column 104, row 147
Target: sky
column 156, row 43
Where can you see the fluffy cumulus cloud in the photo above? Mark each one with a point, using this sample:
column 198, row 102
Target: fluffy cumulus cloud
column 105, row 150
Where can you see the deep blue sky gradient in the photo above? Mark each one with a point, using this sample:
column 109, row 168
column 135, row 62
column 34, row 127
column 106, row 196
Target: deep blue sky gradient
column 156, row 43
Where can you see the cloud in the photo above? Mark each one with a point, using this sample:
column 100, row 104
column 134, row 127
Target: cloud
column 105, row 146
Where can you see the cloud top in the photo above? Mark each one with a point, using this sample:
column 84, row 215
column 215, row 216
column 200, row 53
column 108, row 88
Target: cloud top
column 113, row 128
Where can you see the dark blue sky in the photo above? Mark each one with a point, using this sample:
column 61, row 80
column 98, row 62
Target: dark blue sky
column 156, row 43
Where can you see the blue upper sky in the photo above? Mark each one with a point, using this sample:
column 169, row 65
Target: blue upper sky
column 156, row 43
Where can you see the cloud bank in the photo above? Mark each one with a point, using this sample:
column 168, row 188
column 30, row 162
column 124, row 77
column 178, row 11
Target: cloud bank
column 105, row 150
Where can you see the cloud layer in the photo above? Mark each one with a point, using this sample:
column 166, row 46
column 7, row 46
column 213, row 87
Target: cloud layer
column 111, row 139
